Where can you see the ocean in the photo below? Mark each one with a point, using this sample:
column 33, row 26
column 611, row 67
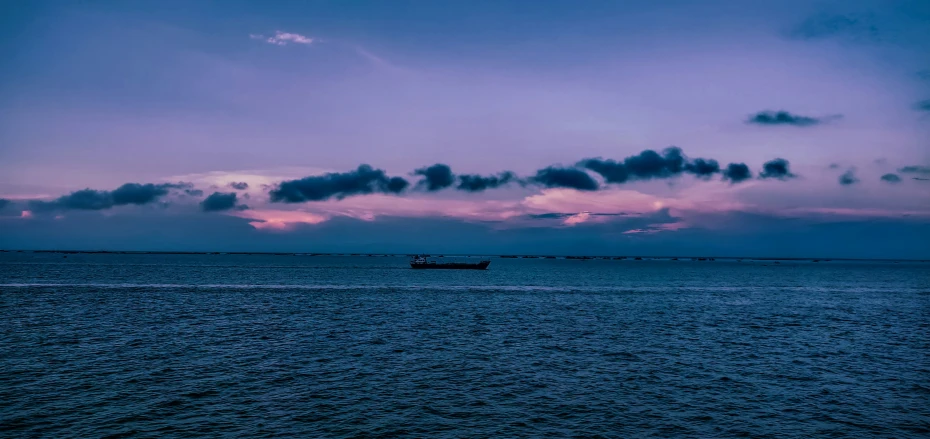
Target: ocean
column 158, row 345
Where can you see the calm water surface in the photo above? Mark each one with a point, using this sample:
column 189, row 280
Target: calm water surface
column 311, row 346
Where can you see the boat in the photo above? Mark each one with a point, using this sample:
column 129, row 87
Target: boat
column 420, row 262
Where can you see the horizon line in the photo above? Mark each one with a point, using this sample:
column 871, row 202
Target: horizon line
column 502, row 255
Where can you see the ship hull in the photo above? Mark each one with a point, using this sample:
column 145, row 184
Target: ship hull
column 451, row 266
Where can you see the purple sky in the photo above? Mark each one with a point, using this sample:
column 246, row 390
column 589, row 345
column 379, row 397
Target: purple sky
column 99, row 94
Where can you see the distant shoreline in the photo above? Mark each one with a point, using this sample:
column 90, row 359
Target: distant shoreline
column 503, row 256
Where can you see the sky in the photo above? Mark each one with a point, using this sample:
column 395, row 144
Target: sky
column 718, row 128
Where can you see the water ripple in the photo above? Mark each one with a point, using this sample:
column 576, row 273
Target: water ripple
column 533, row 349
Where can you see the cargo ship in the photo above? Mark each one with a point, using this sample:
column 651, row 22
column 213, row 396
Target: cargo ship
column 420, row 262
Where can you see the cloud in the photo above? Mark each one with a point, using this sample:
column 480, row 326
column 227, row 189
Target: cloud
column 670, row 163
column 361, row 181
column 436, row 177
column 848, row 178
column 542, row 209
column 440, row 176
column 478, row 183
column 786, row 118
column 648, row 164
column 4, row 203
column 279, row 219
column 239, row 185
column 891, row 178
column 577, row 219
column 715, row 234
column 612, row 171
column 220, row 201
column 135, row 193
column 283, row 38
column 562, row 215
column 777, row 168
column 91, row 199
column 194, row 192
column 923, row 105
column 737, row 172
column 556, row 177
column 924, row 170
column 702, row 168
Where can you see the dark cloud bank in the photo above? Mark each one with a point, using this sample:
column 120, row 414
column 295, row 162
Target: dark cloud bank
column 647, row 165
column 440, row 176
column 777, row 169
column 565, row 177
column 436, row 177
column 786, row 118
column 737, row 172
column 90, row 199
column 650, row 164
column 922, row 170
column 221, row 201
column 364, row 180
column 891, row 178
column 478, row 183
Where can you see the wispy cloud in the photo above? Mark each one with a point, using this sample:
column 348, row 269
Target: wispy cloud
column 924, row 170
column 273, row 219
column 379, row 62
column 283, row 38
column 577, row 218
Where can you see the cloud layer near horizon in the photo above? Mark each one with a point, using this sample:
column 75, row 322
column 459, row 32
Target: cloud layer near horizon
column 647, row 165
column 90, row 199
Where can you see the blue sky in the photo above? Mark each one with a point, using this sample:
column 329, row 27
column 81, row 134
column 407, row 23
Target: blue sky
column 95, row 95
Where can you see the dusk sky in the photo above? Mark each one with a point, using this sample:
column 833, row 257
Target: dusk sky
column 727, row 128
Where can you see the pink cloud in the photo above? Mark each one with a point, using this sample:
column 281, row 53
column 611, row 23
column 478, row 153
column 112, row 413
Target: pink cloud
column 615, row 200
column 606, row 201
column 372, row 206
column 279, row 219
column 504, row 212
column 690, row 204
column 577, row 219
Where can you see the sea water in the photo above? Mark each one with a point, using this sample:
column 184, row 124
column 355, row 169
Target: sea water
column 146, row 345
